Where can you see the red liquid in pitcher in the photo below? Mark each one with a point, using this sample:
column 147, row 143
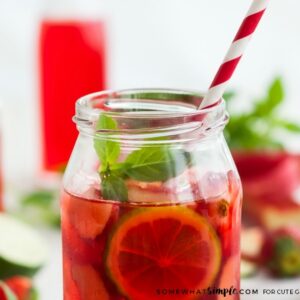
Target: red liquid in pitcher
column 182, row 251
column 72, row 64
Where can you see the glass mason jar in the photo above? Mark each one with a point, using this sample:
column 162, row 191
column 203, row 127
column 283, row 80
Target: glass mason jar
column 151, row 207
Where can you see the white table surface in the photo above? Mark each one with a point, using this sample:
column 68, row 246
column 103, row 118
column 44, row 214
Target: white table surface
column 49, row 280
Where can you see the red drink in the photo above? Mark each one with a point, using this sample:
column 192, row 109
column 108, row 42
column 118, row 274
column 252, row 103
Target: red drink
column 72, row 64
column 116, row 250
column 152, row 201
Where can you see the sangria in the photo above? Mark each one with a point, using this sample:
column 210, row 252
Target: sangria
column 151, row 207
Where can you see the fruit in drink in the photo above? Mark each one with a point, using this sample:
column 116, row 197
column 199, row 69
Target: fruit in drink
column 87, row 217
column 144, row 248
column 93, row 288
column 141, row 259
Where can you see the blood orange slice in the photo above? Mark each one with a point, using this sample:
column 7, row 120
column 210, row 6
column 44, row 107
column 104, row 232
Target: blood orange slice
column 163, row 248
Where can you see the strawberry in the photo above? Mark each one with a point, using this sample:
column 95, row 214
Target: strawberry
column 6, row 293
column 16, row 288
column 281, row 251
column 21, row 286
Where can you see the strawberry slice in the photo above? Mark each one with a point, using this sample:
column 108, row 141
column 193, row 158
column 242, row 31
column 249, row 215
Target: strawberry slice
column 89, row 283
column 21, row 286
column 82, row 250
column 224, row 213
column 87, row 216
column 230, row 278
column 6, row 293
column 148, row 192
column 71, row 291
column 191, row 185
column 281, row 252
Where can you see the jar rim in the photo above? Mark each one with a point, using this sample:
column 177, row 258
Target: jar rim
column 139, row 109
column 84, row 104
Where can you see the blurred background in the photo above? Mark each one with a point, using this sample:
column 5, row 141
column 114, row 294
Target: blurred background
column 128, row 44
column 177, row 44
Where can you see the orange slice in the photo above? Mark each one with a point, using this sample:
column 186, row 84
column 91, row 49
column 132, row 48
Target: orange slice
column 163, row 248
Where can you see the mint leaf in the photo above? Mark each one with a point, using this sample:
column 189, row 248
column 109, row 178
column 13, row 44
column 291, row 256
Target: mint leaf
column 289, row 126
column 40, row 198
column 258, row 128
column 113, row 187
column 146, row 164
column 107, row 151
column 276, row 93
column 156, row 163
column 40, row 207
column 33, row 294
column 229, row 95
column 274, row 98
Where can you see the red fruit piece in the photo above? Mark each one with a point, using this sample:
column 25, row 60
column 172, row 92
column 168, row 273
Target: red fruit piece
column 271, row 175
column 145, row 192
column 224, row 214
column 183, row 188
column 71, row 291
column 79, row 249
column 6, row 293
column 281, row 252
column 89, row 282
column 21, row 286
column 88, row 217
column 230, row 278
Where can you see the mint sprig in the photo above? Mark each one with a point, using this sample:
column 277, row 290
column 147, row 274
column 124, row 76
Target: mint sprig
column 113, row 187
column 259, row 127
column 147, row 164
column 40, row 207
column 108, row 151
column 155, row 163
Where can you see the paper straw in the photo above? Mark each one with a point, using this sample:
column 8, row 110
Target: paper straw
column 235, row 52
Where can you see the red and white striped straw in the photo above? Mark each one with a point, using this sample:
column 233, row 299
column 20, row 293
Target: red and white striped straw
column 235, row 52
